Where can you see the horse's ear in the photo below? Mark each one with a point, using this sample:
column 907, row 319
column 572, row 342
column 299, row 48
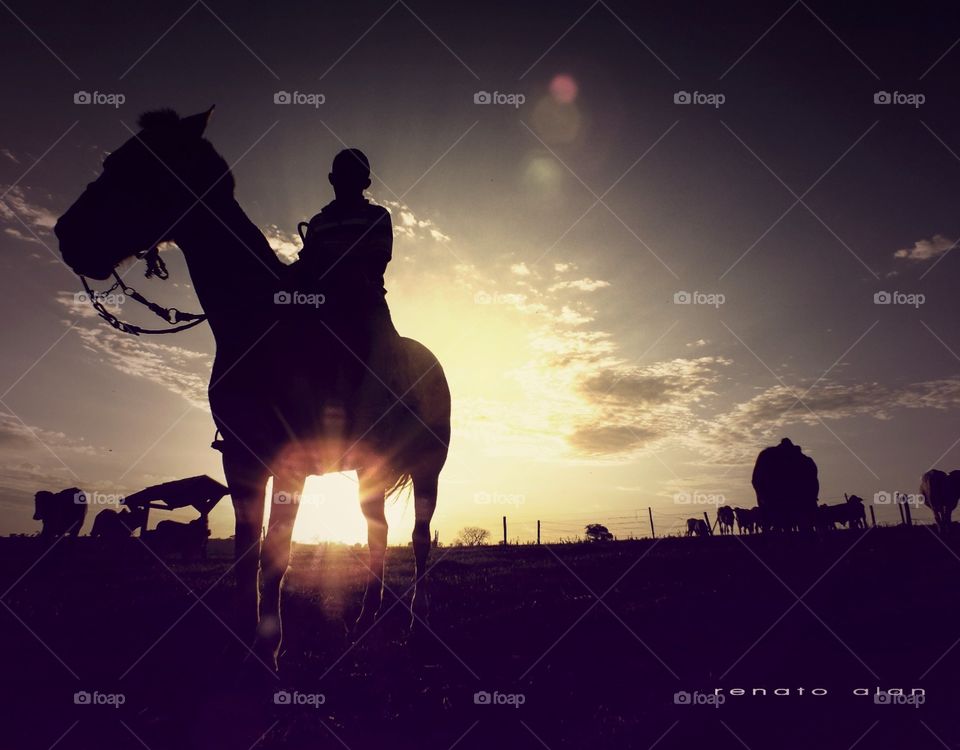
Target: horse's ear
column 194, row 125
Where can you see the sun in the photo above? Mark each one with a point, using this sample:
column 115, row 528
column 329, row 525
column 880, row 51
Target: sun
column 330, row 511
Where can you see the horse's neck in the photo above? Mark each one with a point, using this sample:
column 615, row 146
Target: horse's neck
column 233, row 268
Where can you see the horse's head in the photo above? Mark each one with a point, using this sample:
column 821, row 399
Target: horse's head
column 146, row 189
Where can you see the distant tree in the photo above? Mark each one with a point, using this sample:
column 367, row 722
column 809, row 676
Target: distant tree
column 472, row 536
column 596, row 532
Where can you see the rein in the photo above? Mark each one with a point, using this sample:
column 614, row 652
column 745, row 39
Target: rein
column 173, row 316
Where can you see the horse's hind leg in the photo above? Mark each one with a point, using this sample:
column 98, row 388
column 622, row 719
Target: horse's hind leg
column 425, row 503
column 371, row 503
column 275, row 559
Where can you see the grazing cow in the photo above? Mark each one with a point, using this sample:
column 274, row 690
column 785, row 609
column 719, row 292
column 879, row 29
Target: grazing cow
column 697, row 527
column 941, row 491
column 725, row 518
column 828, row 516
column 744, row 518
column 787, row 486
column 61, row 512
column 188, row 539
column 113, row 525
column 759, row 523
column 856, row 513
column 850, row 514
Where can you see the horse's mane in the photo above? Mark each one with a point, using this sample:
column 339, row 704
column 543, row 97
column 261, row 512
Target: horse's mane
column 206, row 161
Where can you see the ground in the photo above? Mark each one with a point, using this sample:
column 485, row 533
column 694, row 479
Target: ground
column 877, row 609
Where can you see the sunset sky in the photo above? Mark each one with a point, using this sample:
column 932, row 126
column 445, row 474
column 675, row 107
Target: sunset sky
column 541, row 242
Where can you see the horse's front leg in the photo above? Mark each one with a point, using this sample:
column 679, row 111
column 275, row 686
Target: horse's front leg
column 246, row 478
column 371, row 503
column 275, row 559
column 425, row 503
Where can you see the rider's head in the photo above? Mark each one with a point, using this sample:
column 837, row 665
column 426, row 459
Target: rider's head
column 350, row 174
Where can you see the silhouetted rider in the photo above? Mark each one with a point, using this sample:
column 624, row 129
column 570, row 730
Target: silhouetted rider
column 346, row 249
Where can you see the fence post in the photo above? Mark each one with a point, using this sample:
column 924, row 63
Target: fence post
column 900, row 508
column 653, row 533
column 873, row 517
column 906, row 511
column 538, row 531
column 504, row 531
column 707, row 519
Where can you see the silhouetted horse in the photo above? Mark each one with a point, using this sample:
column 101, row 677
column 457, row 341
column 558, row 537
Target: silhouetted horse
column 941, row 491
column 61, row 512
column 168, row 183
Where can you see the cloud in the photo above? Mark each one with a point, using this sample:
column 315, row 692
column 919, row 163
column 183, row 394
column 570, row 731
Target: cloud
column 15, row 207
column 733, row 436
column 410, row 226
column 924, row 249
column 582, row 285
column 180, row 371
column 286, row 245
column 520, row 269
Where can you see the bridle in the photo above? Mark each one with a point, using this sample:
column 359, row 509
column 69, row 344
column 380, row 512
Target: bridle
column 173, row 316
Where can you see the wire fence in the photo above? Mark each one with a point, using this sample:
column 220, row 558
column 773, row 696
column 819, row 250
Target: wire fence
column 659, row 521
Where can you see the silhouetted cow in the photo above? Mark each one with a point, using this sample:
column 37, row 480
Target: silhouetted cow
column 698, row 527
column 759, row 523
column 787, row 487
column 850, row 514
column 61, row 512
column 112, row 525
column 188, row 539
column 941, row 491
column 744, row 520
column 725, row 518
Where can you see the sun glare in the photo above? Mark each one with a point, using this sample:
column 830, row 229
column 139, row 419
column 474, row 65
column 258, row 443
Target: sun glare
column 330, row 511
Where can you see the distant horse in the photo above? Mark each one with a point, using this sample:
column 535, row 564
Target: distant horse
column 941, row 491
column 61, row 512
column 268, row 387
column 112, row 525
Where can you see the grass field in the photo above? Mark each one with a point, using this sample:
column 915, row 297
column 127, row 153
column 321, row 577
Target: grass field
column 877, row 609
